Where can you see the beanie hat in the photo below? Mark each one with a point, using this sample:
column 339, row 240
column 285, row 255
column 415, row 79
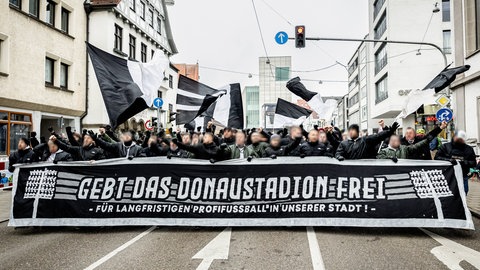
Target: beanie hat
column 275, row 137
column 25, row 140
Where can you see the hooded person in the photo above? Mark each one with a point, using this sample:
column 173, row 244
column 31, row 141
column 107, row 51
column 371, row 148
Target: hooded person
column 86, row 152
column 357, row 147
column 276, row 149
column 24, row 154
column 50, row 152
column 125, row 148
column 458, row 152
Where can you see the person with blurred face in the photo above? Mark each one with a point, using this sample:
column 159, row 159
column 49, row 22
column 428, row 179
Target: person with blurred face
column 458, row 152
column 411, row 137
column 239, row 150
column 51, row 153
column 24, row 154
column 329, row 149
column 86, row 152
column 126, row 147
column 207, row 150
column 295, row 132
column 228, row 136
column 258, row 145
column 313, row 147
column 276, row 149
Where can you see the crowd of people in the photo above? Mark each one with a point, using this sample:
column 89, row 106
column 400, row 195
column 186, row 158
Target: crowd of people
column 229, row 143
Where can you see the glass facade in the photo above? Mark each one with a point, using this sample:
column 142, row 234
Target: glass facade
column 252, row 101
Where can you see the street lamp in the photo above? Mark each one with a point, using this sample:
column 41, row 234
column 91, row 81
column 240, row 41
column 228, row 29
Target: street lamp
column 436, row 9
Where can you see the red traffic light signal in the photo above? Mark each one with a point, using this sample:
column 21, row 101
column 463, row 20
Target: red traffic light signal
column 300, row 36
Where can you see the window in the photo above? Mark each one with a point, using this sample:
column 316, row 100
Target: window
column 170, row 81
column 160, row 94
column 153, row 53
column 132, row 4
column 377, row 6
column 159, row 25
column 17, row 3
column 143, row 52
column 353, row 100
column 364, row 112
column 380, row 59
column 13, row 126
column 381, row 27
column 3, row 55
column 49, row 70
column 353, row 83
column 142, row 10
column 363, row 73
column 50, row 13
column 446, row 10
column 64, row 75
column 118, row 37
column 131, row 47
column 447, row 41
column 282, row 73
column 65, row 20
column 33, row 7
column 353, row 67
column 472, row 26
column 363, row 92
column 381, row 91
column 150, row 17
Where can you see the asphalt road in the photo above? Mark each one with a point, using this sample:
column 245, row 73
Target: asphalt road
column 243, row 248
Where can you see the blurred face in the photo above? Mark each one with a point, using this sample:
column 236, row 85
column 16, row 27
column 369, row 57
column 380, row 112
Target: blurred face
column 256, row 137
column 126, row 137
column 345, row 136
column 394, row 142
column 275, row 142
column 52, row 147
column 87, row 140
column 227, row 133
column 295, row 132
column 410, row 134
column 22, row 145
column 153, row 139
column 313, row 136
column 352, row 133
column 240, row 139
column 173, row 146
column 322, row 137
column 207, row 138
column 186, row 139
column 76, row 136
column 458, row 140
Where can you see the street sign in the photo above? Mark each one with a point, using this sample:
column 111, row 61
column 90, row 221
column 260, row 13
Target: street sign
column 443, row 101
column 444, row 114
column 158, row 102
column 148, row 125
column 281, row 37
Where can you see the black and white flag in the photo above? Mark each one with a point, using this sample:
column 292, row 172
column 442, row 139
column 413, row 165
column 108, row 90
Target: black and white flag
column 199, row 103
column 288, row 114
column 324, row 109
column 128, row 87
column 419, row 97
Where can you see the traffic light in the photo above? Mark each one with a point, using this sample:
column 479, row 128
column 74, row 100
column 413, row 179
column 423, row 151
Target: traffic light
column 300, row 36
column 171, row 116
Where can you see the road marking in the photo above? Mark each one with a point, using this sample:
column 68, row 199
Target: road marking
column 120, row 248
column 317, row 260
column 452, row 253
column 217, row 249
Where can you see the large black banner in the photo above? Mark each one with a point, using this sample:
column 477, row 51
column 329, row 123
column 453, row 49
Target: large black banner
column 283, row 192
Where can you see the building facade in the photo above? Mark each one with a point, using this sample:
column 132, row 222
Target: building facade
column 251, row 106
column 393, row 70
column 133, row 29
column 466, row 88
column 274, row 72
column 189, row 70
column 42, row 68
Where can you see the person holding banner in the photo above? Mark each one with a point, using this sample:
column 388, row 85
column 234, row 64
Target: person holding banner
column 24, row 154
column 87, row 152
column 276, row 149
column 313, row 147
column 359, row 147
column 207, row 150
column 125, row 148
column 396, row 150
column 50, row 152
column 239, row 150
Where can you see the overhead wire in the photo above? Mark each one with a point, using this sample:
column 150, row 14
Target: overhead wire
column 261, row 35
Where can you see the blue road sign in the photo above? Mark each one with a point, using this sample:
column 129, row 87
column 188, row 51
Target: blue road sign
column 281, row 37
column 444, row 114
column 158, row 102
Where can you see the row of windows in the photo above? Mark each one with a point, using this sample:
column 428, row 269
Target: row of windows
column 381, row 27
column 381, row 59
column 132, row 45
column 150, row 14
column 50, row 68
column 51, row 8
column 353, row 100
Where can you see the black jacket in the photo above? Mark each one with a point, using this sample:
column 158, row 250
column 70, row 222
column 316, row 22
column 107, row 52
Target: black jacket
column 42, row 152
column 79, row 153
column 19, row 157
column 282, row 150
column 423, row 153
column 295, row 151
column 154, row 150
column 179, row 153
column 360, row 148
column 461, row 152
column 316, row 149
column 202, row 151
column 119, row 149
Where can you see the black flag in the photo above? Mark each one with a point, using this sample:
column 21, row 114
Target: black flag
column 446, row 77
column 289, row 114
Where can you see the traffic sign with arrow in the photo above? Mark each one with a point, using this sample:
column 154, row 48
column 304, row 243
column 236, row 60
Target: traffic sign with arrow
column 281, row 37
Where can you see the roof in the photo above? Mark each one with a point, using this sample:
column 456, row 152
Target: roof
column 104, row 3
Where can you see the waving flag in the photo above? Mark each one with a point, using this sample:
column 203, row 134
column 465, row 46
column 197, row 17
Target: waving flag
column 288, row 114
column 128, row 87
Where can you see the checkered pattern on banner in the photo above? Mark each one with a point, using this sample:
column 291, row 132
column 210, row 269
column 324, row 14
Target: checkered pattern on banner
column 41, row 184
column 430, row 182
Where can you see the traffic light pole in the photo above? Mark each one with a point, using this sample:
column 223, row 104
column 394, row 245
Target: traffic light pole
column 445, row 61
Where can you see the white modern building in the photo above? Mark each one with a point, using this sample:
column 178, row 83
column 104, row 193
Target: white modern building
column 251, row 106
column 274, row 72
column 466, row 89
column 42, row 68
column 133, row 29
column 393, row 70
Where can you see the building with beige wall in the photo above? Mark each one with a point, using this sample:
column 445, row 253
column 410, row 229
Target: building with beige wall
column 42, row 67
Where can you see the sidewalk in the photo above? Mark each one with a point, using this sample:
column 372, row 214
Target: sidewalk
column 5, row 204
column 473, row 198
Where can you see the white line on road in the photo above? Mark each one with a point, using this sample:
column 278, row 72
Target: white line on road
column 452, row 253
column 217, row 249
column 317, row 260
column 120, row 248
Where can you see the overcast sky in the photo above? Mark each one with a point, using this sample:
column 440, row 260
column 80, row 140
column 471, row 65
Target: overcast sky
column 224, row 34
